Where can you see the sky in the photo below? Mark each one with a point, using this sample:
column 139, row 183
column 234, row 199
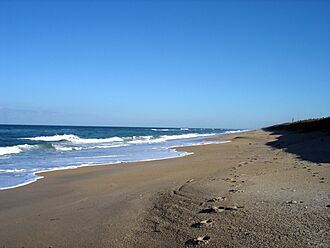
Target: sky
column 230, row 64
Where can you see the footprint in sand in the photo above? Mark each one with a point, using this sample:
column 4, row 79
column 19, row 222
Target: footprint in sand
column 231, row 208
column 231, row 180
column 209, row 210
column 322, row 180
column 220, row 209
column 216, row 199
column 53, row 219
column 181, row 187
column 294, row 202
column 203, row 223
column 235, row 191
column 203, row 240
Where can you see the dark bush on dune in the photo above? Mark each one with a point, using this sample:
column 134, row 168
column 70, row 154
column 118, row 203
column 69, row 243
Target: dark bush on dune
column 310, row 125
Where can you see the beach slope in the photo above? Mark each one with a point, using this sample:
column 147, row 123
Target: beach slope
column 262, row 189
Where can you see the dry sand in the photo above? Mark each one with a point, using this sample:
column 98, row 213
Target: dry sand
column 260, row 190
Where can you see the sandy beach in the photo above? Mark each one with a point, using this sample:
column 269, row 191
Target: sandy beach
column 259, row 190
column 164, row 124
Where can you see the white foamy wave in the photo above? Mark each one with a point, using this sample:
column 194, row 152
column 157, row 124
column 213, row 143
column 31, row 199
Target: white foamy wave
column 141, row 139
column 54, row 137
column 187, row 136
column 12, row 170
column 108, row 146
column 236, row 131
column 105, row 140
column 75, row 148
column 160, row 129
column 66, row 148
column 163, row 138
column 62, row 148
column 75, row 139
column 15, row 149
column 184, row 129
column 201, row 143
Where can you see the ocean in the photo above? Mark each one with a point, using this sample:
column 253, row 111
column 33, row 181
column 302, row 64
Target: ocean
column 26, row 150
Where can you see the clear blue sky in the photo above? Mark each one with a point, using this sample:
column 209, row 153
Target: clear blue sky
column 239, row 64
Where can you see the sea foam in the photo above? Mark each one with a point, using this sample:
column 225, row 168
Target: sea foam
column 163, row 138
column 57, row 148
column 15, row 149
column 130, row 140
column 74, row 139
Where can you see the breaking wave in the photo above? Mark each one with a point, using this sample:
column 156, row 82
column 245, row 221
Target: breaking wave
column 15, row 149
column 74, row 139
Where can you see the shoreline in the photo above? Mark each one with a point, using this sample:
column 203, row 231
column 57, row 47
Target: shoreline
column 278, row 199
column 38, row 174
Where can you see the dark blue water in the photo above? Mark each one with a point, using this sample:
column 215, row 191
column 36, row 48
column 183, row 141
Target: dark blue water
column 26, row 150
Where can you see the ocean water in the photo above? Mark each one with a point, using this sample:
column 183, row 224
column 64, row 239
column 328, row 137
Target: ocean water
column 26, row 150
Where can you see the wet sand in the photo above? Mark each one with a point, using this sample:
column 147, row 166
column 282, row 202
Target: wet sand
column 260, row 190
